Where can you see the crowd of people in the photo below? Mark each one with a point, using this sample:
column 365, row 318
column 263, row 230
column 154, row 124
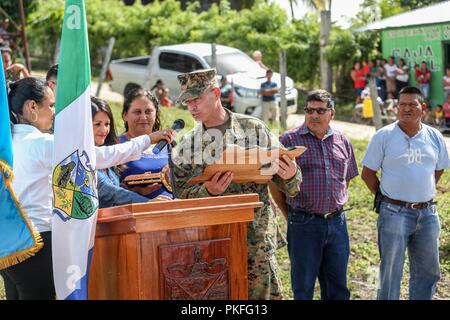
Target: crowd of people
column 391, row 77
column 311, row 190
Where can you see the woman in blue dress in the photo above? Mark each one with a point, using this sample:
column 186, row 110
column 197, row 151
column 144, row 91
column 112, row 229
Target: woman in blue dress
column 110, row 193
column 141, row 116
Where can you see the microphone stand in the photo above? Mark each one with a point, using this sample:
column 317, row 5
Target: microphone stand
column 172, row 175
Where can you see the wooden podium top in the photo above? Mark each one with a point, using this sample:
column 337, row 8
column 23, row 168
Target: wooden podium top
column 176, row 214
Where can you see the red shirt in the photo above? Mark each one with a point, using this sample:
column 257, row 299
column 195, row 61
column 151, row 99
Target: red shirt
column 359, row 83
column 366, row 69
column 421, row 77
column 446, row 108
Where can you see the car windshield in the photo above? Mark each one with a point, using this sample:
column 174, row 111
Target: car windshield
column 234, row 62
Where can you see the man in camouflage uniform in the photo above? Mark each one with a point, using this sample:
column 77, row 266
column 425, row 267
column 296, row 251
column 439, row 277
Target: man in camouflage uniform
column 217, row 127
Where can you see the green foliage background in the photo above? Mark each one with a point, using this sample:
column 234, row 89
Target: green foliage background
column 263, row 27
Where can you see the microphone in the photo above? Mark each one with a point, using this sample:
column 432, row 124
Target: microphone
column 177, row 126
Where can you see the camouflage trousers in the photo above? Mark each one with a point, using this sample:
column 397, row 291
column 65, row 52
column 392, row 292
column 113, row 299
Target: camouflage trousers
column 263, row 280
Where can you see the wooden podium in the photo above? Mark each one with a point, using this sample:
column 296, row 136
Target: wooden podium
column 173, row 250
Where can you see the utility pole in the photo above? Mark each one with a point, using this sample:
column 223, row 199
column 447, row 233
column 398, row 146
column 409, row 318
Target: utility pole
column 151, row 63
column 283, row 104
column 377, row 121
column 213, row 55
column 105, row 65
column 24, row 35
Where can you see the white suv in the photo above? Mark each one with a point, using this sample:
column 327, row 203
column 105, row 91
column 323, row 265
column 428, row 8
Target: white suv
column 167, row 62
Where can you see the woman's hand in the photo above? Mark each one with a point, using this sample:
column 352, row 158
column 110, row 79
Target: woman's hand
column 166, row 134
column 160, row 198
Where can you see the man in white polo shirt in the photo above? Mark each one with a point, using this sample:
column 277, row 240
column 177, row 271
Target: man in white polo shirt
column 412, row 157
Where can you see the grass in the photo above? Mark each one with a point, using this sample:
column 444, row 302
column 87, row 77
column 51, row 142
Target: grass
column 364, row 258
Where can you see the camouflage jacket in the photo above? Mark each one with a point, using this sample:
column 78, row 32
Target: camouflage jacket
column 244, row 131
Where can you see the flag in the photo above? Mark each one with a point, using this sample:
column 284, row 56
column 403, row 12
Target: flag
column 19, row 239
column 75, row 201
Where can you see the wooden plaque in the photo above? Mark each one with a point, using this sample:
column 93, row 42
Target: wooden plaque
column 247, row 165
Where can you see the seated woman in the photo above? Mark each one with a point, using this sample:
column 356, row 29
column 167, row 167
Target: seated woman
column 141, row 116
column 110, row 193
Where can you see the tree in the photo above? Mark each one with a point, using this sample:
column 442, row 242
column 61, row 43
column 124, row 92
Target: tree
column 291, row 4
column 324, row 7
column 11, row 7
column 393, row 7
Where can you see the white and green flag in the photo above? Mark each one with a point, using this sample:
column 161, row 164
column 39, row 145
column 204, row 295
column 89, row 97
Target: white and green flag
column 74, row 182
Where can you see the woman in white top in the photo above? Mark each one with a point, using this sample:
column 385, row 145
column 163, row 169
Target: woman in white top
column 31, row 104
column 401, row 77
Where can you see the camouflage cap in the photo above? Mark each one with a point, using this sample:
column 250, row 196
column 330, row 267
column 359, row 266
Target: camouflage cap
column 193, row 84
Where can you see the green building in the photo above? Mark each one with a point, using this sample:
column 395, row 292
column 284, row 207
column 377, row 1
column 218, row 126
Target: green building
column 416, row 36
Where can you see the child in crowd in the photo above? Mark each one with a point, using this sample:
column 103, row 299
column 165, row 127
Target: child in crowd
column 439, row 116
column 427, row 116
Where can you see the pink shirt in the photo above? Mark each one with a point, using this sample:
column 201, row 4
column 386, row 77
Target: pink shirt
column 446, row 110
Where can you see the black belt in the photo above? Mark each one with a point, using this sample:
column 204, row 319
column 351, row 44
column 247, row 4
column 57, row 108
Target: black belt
column 325, row 216
column 410, row 205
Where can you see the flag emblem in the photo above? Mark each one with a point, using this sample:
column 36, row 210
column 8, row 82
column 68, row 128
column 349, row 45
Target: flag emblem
column 74, row 187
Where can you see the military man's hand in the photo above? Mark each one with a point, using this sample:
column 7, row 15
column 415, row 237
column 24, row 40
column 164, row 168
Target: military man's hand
column 286, row 167
column 219, row 183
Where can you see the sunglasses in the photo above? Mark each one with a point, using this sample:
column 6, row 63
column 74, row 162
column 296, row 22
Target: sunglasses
column 318, row 110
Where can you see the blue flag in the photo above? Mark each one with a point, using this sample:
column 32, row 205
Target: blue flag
column 19, row 239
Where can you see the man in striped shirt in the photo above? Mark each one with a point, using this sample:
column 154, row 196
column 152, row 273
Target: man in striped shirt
column 318, row 242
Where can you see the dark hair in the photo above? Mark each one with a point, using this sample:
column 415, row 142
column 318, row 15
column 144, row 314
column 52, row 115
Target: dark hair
column 130, row 86
column 99, row 105
column 22, row 90
column 402, row 60
column 52, row 73
column 269, row 71
column 133, row 95
column 412, row 90
column 321, row 95
column 158, row 82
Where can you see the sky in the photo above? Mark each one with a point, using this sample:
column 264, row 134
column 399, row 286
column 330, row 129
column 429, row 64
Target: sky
column 339, row 10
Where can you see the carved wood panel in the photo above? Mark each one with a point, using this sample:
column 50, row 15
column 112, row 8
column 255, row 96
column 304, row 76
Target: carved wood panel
column 195, row 271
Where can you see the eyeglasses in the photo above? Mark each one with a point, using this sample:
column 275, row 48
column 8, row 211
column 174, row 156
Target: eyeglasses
column 318, row 110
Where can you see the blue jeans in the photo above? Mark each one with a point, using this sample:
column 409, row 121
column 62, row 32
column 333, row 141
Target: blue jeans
column 425, row 88
column 401, row 229
column 318, row 248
